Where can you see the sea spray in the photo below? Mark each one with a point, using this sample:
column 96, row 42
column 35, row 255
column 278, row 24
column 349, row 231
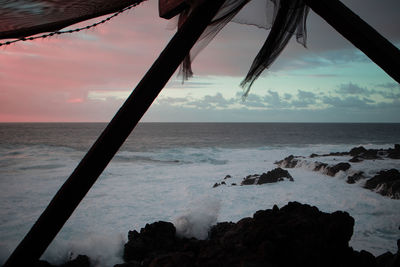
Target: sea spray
column 103, row 250
column 202, row 214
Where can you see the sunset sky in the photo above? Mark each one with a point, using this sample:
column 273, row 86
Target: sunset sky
column 86, row 76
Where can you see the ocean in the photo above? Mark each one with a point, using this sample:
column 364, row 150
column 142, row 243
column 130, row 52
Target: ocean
column 166, row 171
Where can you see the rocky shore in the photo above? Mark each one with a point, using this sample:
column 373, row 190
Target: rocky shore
column 294, row 235
column 385, row 182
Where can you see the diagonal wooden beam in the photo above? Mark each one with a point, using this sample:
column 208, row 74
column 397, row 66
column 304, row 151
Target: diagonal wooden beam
column 100, row 154
column 360, row 34
column 167, row 9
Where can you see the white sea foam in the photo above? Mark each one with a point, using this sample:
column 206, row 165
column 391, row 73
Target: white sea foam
column 202, row 214
column 103, row 249
column 178, row 188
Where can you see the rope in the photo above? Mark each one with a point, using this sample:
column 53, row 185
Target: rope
column 73, row 30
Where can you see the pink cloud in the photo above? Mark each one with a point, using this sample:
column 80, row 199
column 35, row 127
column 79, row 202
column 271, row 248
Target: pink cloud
column 75, row 100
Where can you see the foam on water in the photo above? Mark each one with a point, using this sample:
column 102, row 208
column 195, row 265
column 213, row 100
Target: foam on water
column 175, row 184
column 202, row 214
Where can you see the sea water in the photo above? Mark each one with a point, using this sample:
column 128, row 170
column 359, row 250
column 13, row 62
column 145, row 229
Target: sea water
column 166, row 171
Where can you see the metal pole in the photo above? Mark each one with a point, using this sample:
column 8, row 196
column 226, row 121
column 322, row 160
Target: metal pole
column 360, row 34
column 100, row 154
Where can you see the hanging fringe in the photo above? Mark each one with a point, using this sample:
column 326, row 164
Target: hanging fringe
column 226, row 13
column 288, row 18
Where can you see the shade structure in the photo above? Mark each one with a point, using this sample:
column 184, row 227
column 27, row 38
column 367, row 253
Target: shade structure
column 102, row 151
column 25, row 18
column 22, row 18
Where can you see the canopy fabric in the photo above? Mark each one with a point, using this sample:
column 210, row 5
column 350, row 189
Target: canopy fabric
column 285, row 18
column 22, row 18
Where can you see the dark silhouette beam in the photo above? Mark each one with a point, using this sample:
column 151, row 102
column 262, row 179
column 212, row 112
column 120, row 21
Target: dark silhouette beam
column 100, row 154
column 360, row 34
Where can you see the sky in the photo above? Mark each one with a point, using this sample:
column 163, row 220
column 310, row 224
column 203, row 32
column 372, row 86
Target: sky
column 86, row 76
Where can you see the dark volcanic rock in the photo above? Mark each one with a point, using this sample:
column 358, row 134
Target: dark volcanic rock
column 332, row 170
column 313, row 155
column 320, row 166
column 355, row 177
column 216, row 185
column 288, row 162
column 153, row 239
column 370, row 154
column 355, row 159
column 360, row 153
column 218, row 230
column 250, row 179
column 295, row 235
column 337, row 154
column 394, row 153
column 276, row 175
column 356, row 151
column 386, row 183
column 80, row 261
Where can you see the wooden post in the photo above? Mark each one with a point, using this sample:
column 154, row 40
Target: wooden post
column 86, row 173
column 168, row 9
column 360, row 34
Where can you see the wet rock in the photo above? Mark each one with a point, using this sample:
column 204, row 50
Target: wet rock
column 250, row 179
column 222, row 182
column 129, row 264
column 337, row 154
column 370, row 154
column 320, row 166
column 356, row 151
column 42, row 263
column 288, row 162
column 355, row 177
column 313, row 155
column 80, row 261
column 153, row 239
column 355, row 159
column 394, row 153
column 361, row 153
column 386, row 183
column 333, row 170
column 218, row 230
column 294, row 235
column 216, row 185
column 386, row 259
column 364, row 258
column 276, row 175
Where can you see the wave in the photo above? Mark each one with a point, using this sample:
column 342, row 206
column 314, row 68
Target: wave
column 175, row 156
column 143, row 187
column 43, row 167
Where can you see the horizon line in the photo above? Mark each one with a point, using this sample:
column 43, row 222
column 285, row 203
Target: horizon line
column 303, row 122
